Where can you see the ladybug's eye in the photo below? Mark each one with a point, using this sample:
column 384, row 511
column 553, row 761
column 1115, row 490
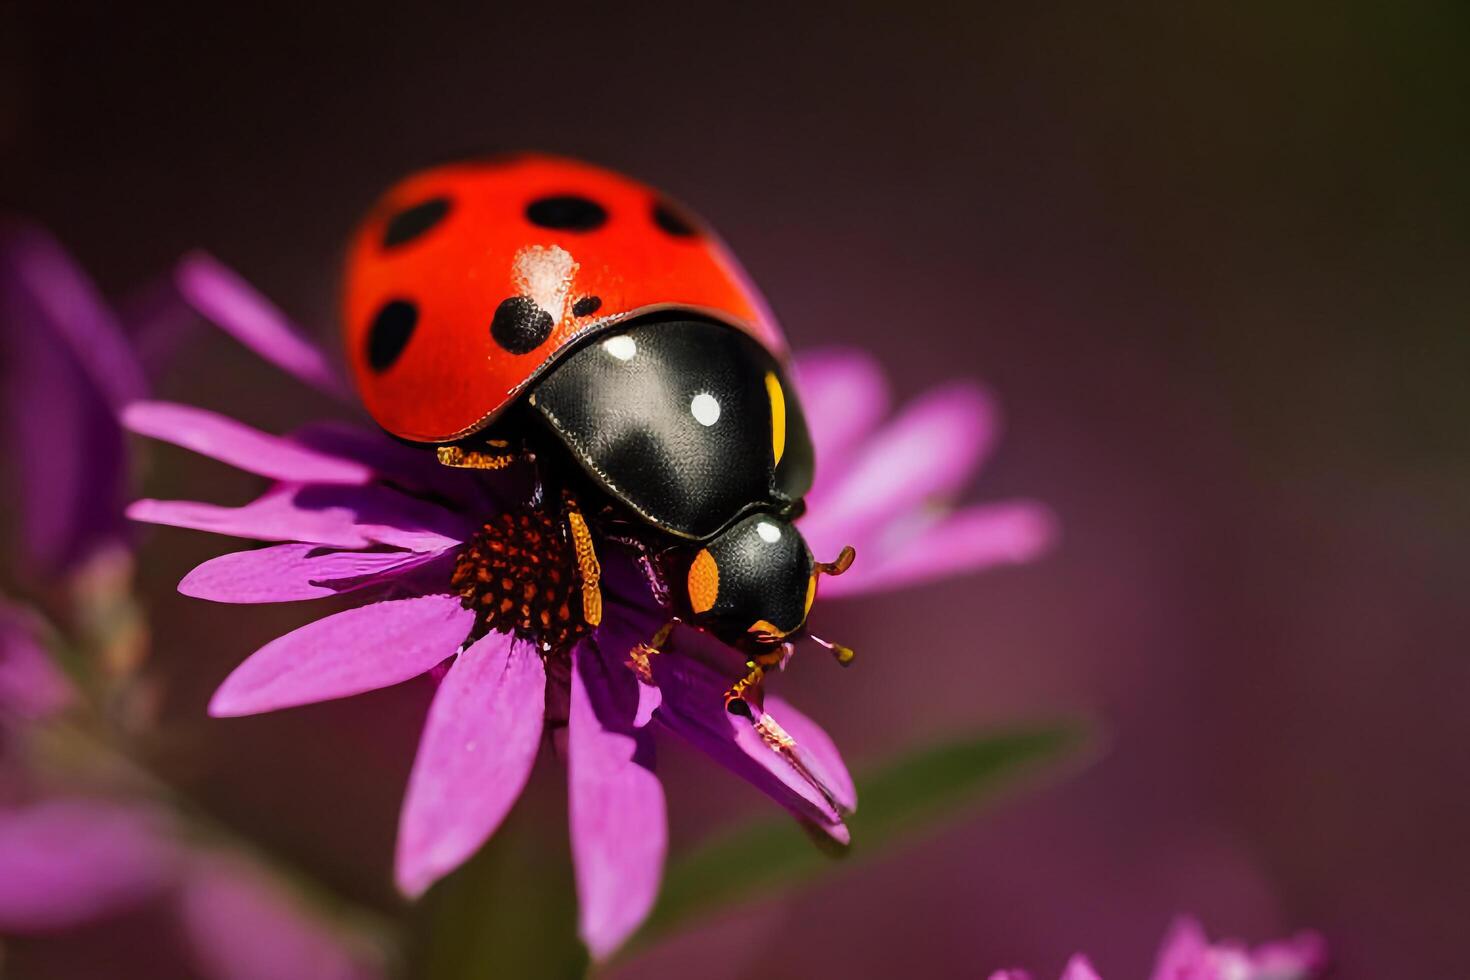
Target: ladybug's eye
column 673, row 221
column 410, row 223
column 566, row 212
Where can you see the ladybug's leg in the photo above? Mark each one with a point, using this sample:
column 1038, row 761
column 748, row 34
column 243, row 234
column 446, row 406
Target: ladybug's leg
column 640, row 658
column 589, row 571
column 735, row 697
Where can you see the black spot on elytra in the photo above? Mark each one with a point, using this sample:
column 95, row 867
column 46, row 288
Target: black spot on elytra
column 390, row 333
column 520, row 326
column 412, row 222
column 673, row 220
column 566, row 212
column 587, row 305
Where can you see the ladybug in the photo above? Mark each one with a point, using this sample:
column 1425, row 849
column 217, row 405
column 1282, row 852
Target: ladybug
column 534, row 310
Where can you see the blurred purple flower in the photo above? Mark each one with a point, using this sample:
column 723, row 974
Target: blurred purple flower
column 65, row 862
column 65, row 368
column 32, row 687
column 1188, row 955
column 242, row 927
column 355, row 512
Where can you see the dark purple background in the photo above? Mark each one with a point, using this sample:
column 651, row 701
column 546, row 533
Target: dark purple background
column 1212, row 259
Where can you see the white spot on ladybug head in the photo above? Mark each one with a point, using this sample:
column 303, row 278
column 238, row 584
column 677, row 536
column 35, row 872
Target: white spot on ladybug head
column 623, row 348
column 543, row 274
column 769, row 533
column 705, row 409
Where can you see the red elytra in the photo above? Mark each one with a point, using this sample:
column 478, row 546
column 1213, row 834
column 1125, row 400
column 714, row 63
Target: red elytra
column 466, row 282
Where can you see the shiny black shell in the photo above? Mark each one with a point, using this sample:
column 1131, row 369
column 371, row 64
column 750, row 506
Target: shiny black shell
column 672, row 416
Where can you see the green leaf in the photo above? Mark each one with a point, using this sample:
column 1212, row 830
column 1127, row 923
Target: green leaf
column 898, row 803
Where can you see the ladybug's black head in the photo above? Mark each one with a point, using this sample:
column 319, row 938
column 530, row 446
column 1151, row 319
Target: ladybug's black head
column 753, row 584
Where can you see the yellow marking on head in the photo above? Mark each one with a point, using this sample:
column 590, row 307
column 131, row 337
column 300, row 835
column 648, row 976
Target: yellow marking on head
column 811, row 593
column 704, row 582
column 778, row 415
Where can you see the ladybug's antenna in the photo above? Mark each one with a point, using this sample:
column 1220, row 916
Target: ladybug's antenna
column 842, row 563
column 843, row 654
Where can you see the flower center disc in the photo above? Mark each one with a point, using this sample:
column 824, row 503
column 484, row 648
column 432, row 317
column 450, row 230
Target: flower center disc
column 518, row 574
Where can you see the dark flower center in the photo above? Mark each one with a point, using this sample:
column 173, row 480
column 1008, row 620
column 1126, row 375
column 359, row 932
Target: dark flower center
column 519, row 575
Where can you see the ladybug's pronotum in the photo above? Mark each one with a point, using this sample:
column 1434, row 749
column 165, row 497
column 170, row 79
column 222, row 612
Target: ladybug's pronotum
column 537, row 311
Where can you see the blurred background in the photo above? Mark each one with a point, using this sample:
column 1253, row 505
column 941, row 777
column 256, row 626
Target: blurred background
column 1211, row 258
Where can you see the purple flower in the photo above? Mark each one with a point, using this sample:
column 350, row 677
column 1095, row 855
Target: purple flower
column 69, row 861
column 353, row 513
column 32, row 687
column 65, row 862
column 1188, row 955
column 65, row 368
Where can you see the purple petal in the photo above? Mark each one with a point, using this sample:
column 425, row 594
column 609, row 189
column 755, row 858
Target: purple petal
column 239, row 445
column 630, row 617
column 1187, row 954
column 1079, row 968
column 274, row 516
column 649, row 698
column 414, row 467
column 616, row 804
column 1301, row 956
column 289, row 572
column 971, row 539
column 359, row 650
column 927, row 453
column 32, row 686
column 243, row 926
column 1181, row 957
column 478, row 746
column 693, row 674
column 334, row 516
column 844, row 396
column 223, row 297
column 817, row 752
column 65, row 862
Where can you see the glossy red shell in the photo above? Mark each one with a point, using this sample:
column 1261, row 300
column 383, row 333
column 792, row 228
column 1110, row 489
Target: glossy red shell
column 450, row 377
